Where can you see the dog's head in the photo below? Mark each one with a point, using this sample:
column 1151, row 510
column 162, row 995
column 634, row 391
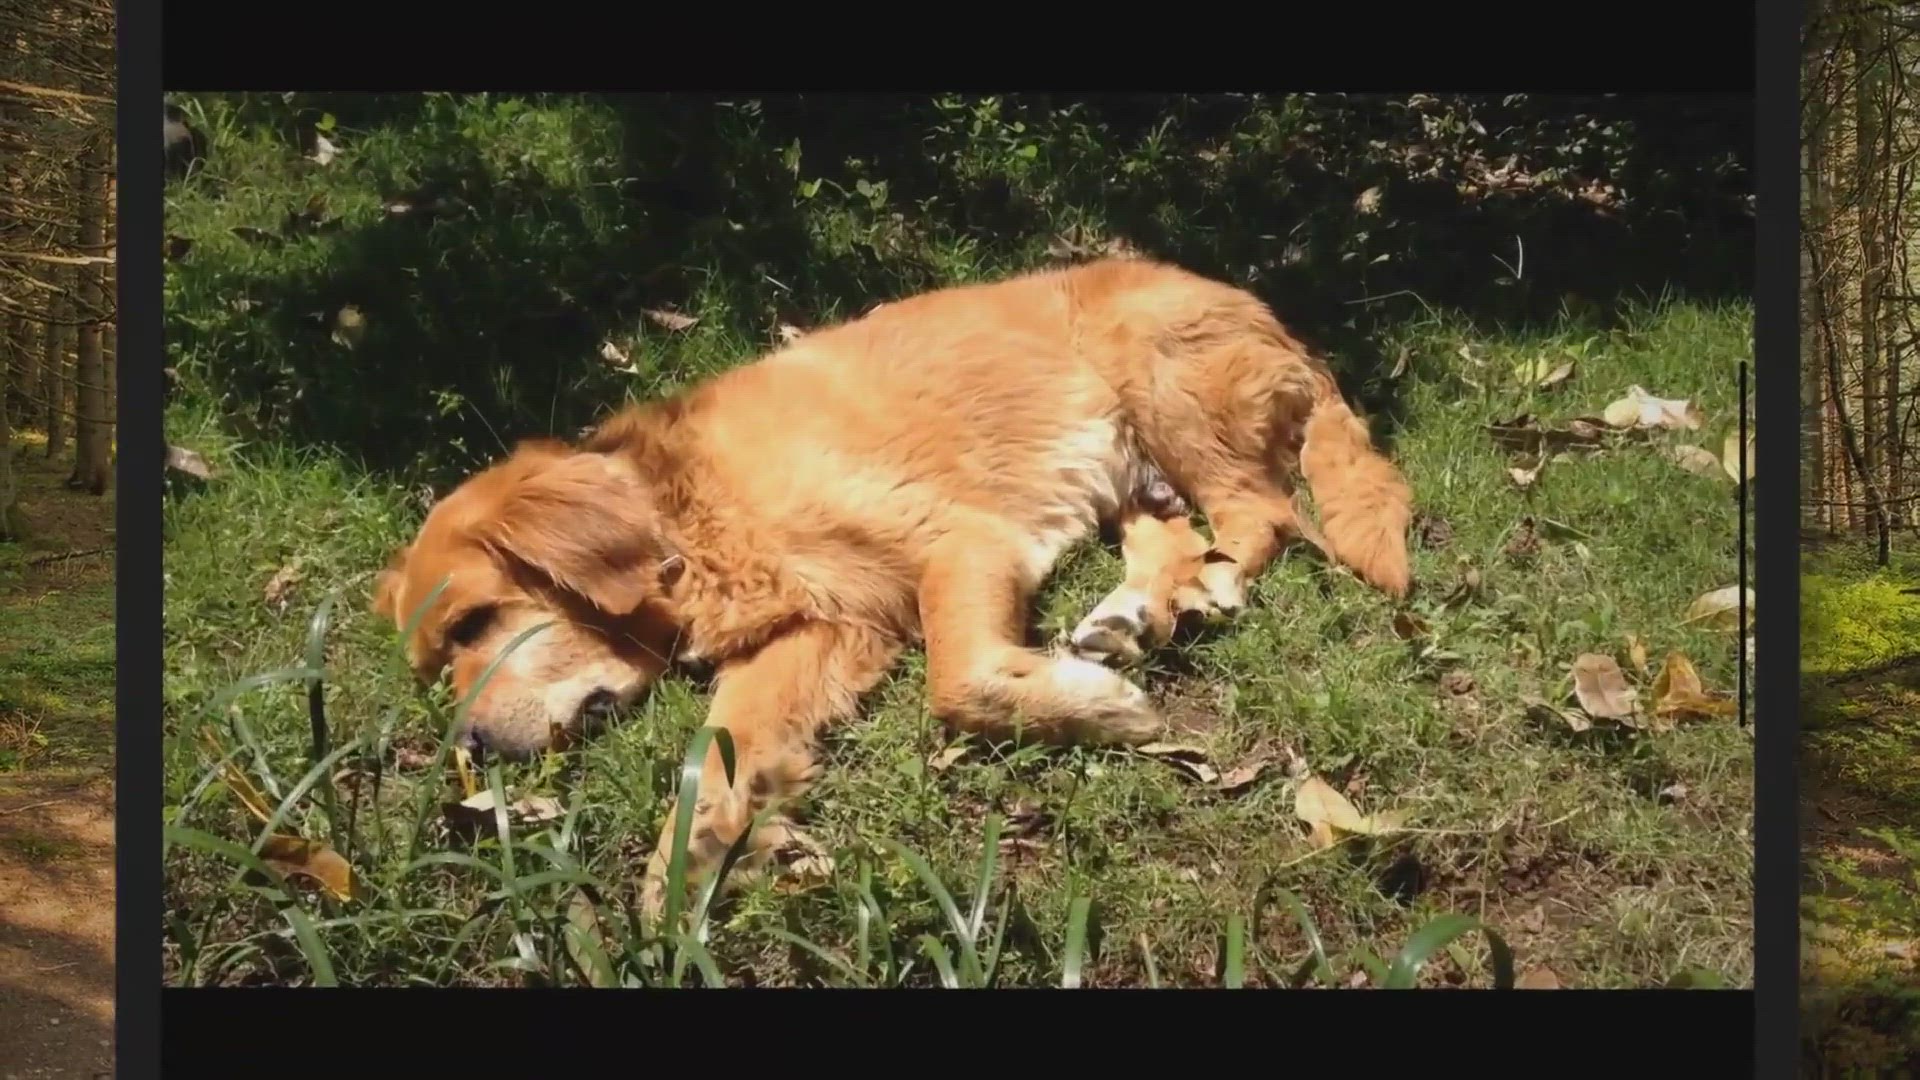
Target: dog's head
column 553, row 535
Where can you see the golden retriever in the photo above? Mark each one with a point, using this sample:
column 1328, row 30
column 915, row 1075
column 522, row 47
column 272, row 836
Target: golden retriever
column 907, row 477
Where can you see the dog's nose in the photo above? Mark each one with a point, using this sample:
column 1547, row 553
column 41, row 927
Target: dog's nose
column 599, row 706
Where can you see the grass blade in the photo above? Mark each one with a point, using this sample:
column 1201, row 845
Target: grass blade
column 702, row 959
column 691, row 768
column 311, row 947
column 317, row 707
column 988, row 857
column 936, row 951
column 1076, row 941
column 838, row 963
column 1153, row 969
column 1233, row 953
column 1435, row 936
column 1315, row 965
column 941, row 896
column 870, row 909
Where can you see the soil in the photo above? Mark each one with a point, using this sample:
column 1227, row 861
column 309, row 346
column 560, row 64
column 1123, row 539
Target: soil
column 56, row 802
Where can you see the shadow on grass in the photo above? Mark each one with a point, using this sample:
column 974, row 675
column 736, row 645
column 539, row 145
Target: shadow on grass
column 484, row 321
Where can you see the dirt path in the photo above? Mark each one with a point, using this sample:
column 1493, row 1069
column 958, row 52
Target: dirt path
column 56, row 784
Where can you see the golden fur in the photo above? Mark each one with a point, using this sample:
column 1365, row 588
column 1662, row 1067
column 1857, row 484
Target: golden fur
column 910, row 476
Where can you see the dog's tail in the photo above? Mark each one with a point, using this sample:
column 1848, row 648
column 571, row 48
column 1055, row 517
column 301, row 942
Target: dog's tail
column 1364, row 502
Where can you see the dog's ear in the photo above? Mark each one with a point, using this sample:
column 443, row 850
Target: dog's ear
column 588, row 524
column 386, row 586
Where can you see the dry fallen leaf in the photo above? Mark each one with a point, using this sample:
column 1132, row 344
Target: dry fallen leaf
column 789, row 333
column 177, row 247
column 1720, row 608
column 1457, row 683
column 537, row 808
column 1327, row 812
column 943, row 760
column 670, row 320
column 1601, row 689
column 1637, row 652
column 1368, row 201
column 1526, row 469
column 1541, row 710
column 1238, row 779
column 1640, row 409
column 1673, row 793
column 614, row 355
column 189, row 462
column 323, row 151
column 1677, row 692
column 279, row 590
column 1543, row 374
column 349, row 327
column 1523, row 434
column 1191, row 760
column 463, row 764
column 1737, row 464
column 1694, row 459
column 1407, row 626
column 295, row 856
column 1540, row 978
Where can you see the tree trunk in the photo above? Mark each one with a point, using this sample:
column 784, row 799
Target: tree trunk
column 52, row 361
column 1866, row 187
column 92, row 470
column 1813, row 420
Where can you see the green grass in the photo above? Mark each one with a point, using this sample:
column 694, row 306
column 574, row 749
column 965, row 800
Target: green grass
column 1860, row 730
column 1614, row 858
column 56, row 628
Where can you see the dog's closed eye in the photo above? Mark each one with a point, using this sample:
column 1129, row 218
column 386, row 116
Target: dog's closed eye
column 470, row 625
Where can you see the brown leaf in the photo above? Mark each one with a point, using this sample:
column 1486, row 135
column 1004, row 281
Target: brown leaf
column 1435, row 531
column 1327, row 811
column 670, row 320
column 1694, row 459
column 1540, row 978
column 469, row 783
column 411, row 757
column 789, row 333
column 944, row 759
column 1736, row 463
column 1601, row 689
column 1400, row 365
column 1543, row 373
column 1640, row 409
column 1368, row 201
column 1677, row 692
column 1407, row 626
column 1525, row 543
column 537, row 808
column 1637, row 652
column 1720, row 608
column 294, row 856
column 349, row 327
column 1457, row 683
column 177, row 247
column 1242, row 777
column 189, row 462
column 323, row 150
column 1526, row 469
column 279, row 590
column 1541, row 710
column 1673, row 793
column 1191, row 760
column 614, row 355
column 1524, row 434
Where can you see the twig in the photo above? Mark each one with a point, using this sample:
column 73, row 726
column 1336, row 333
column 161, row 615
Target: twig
column 64, row 555
column 32, row 806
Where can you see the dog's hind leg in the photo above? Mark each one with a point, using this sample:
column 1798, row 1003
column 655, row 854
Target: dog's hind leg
column 774, row 705
column 980, row 678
